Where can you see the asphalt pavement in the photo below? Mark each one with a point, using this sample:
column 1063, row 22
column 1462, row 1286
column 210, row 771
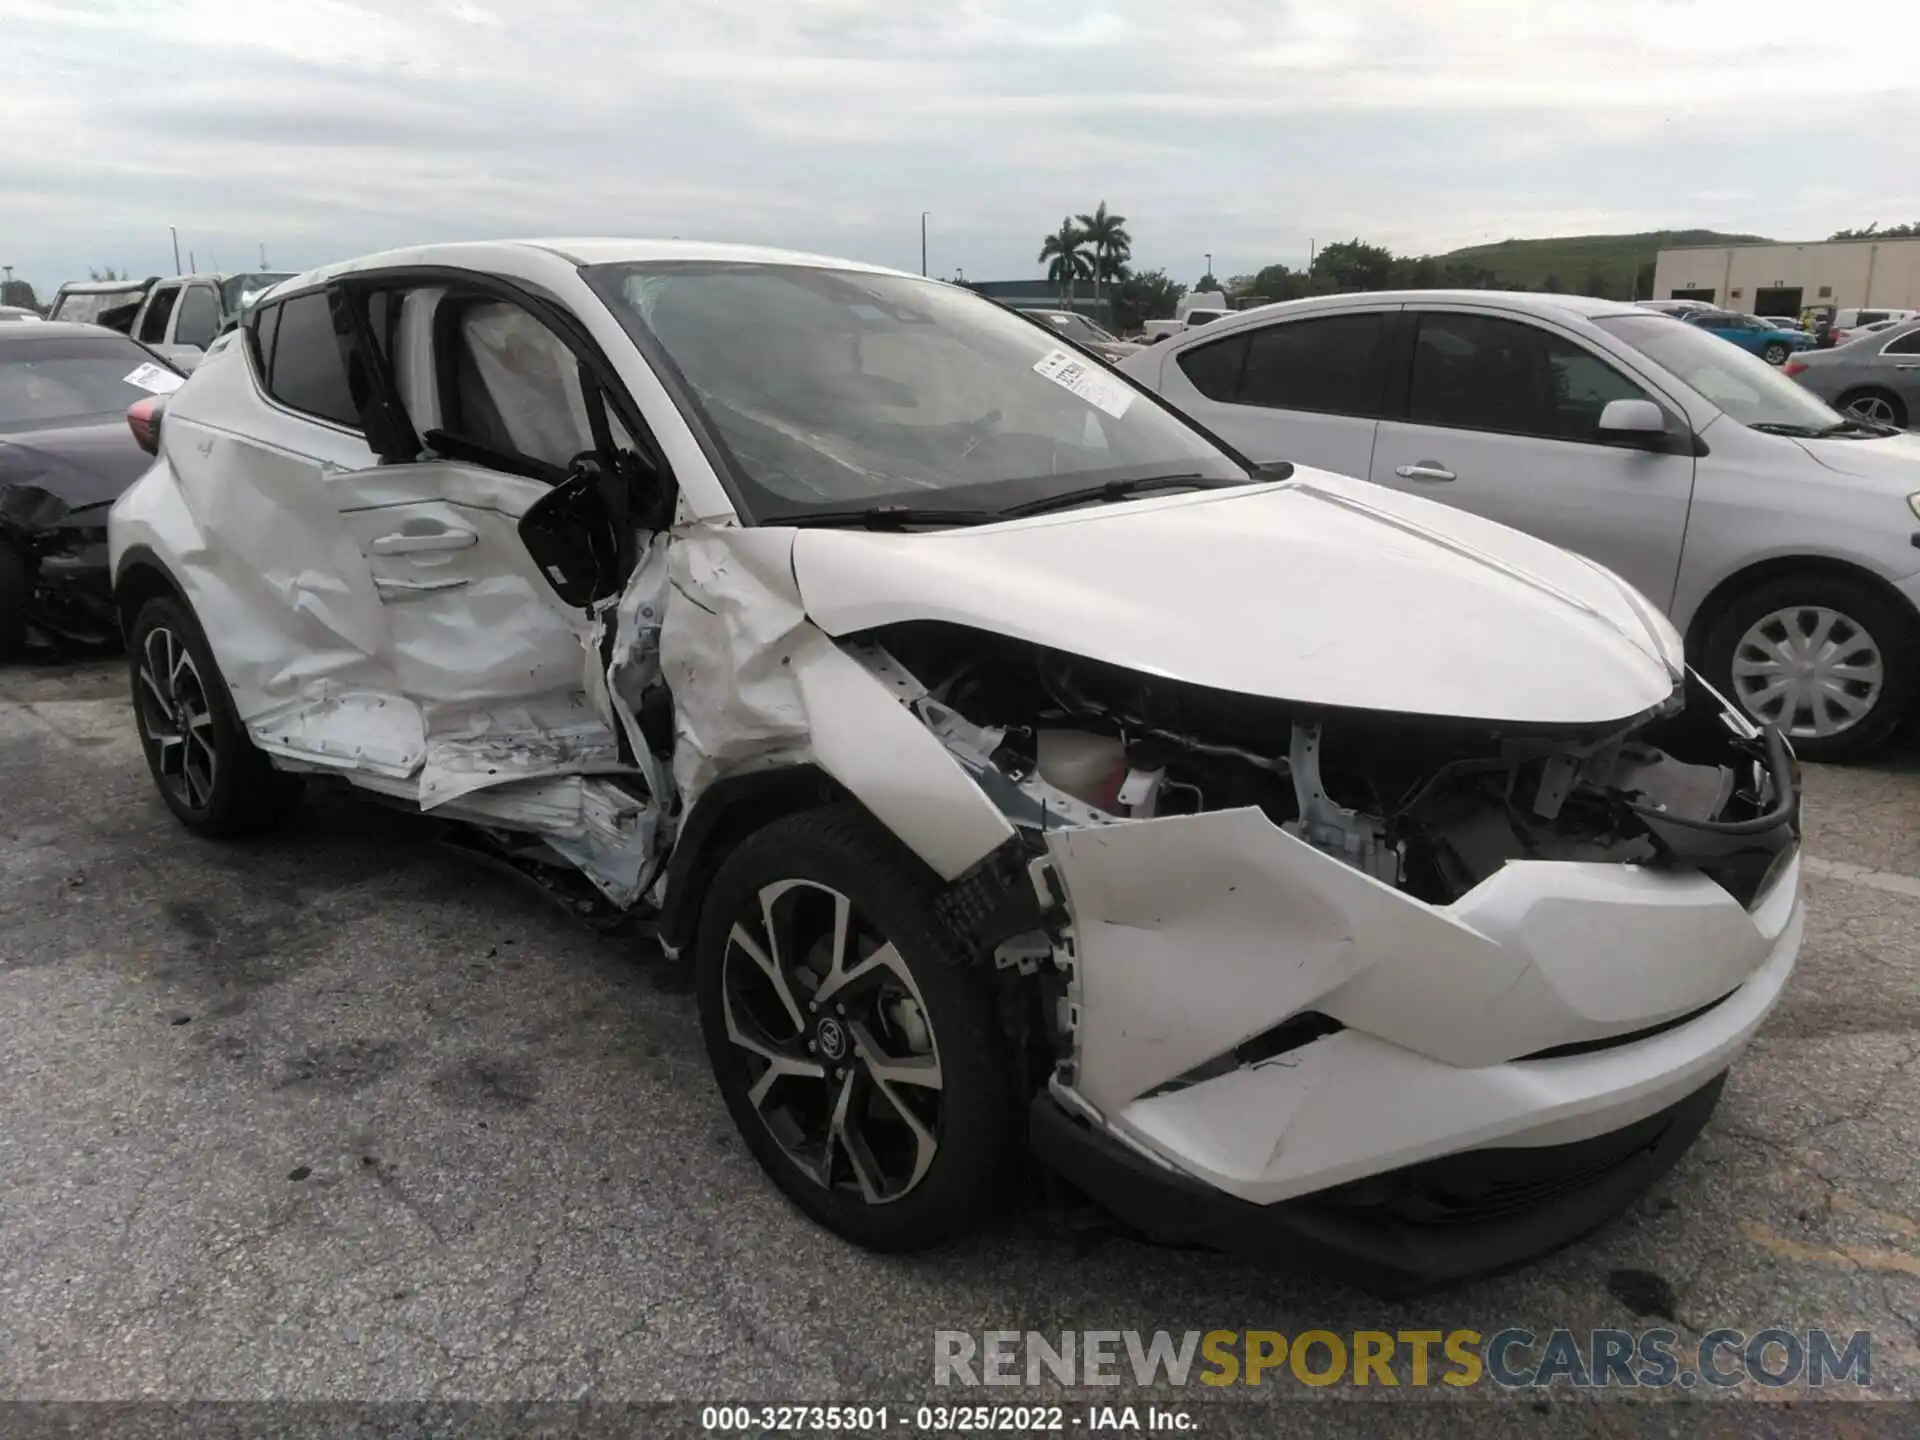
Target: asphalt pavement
column 332, row 1114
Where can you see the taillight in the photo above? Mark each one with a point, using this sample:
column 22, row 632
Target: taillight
column 1794, row 367
column 143, row 418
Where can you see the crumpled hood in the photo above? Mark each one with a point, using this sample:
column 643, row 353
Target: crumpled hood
column 1894, row 459
column 80, row 463
column 1320, row 590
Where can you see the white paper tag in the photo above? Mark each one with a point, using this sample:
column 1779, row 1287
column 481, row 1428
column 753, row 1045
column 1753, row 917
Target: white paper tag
column 155, row 379
column 1086, row 379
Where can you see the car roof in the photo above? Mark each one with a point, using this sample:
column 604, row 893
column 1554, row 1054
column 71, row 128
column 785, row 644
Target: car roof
column 489, row 254
column 57, row 330
column 1524, row 302
column 104, row 287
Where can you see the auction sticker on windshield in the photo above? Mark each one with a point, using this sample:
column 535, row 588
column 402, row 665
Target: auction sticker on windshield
column 1085, row 379
column 154, row 379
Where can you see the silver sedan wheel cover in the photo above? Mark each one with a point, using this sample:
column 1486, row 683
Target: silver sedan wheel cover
column 176, row 718
column 843, row 1067
column 1809, row 669
column 1872, row 407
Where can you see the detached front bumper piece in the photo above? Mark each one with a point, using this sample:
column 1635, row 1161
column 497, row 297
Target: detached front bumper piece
column 1420, row 1228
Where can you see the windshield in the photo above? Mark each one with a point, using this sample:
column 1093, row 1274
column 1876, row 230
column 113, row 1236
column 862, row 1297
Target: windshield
column 1740, row 383
column 238, row 292
column 830, row 389
column 68, row 379
column 87, row 307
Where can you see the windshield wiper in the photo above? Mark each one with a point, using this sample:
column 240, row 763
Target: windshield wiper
column 1854, row 425
column 886, row 517
column 1115, row 490
column 1797, row 432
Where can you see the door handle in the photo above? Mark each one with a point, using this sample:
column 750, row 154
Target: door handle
column 413, row 543
column 1424, row 470
column 1913, row 366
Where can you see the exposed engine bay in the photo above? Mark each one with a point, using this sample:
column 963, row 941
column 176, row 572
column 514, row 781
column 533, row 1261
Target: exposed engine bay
column 1431, row 806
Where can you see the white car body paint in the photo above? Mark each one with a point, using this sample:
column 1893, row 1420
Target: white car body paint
column 488, row 700
column 1254, row 590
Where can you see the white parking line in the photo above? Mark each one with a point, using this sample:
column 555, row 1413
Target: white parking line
column 1887, row 880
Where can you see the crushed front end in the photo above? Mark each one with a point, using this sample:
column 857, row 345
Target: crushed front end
column 1419, row 997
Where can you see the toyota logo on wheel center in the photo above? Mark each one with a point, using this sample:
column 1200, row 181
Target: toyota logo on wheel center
column 833, row 1038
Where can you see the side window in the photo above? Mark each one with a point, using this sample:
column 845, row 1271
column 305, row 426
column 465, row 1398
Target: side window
column 1473, row 372
column 1326, row 365
column 153, row 325
column 508, row 383
column 1907, row 344
column 305, row 370
column 1215, row 368
column 199, row 317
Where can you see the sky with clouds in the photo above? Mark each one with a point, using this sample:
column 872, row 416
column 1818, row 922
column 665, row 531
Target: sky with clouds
column 1242, row 128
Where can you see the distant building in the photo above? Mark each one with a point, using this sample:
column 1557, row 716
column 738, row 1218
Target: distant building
column 1788, row 279
column 1045, row 295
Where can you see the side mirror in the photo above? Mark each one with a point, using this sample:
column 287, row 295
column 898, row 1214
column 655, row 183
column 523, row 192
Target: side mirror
column 573, row 538
column 1638, row 423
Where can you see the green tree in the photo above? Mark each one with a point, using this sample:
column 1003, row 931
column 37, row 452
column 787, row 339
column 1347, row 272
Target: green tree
column 1353, row 265
column 18, row 292
column 1065, row 254
column 1280, row 282
column 1643, row 282
column 1106, row 235
column 1414, row 273
column 1552, row 285
column 105, row 272
column 1596, row 284
column 1147, row 295
column 1874, row 232
column 1207, row 282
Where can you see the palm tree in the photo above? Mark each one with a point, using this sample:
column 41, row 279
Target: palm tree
column 1066, row 254
column 1112, row 245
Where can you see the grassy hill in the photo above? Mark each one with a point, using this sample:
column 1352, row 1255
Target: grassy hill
column 1572, row 258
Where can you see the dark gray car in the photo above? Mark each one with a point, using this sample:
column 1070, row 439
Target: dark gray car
column 1876, row 377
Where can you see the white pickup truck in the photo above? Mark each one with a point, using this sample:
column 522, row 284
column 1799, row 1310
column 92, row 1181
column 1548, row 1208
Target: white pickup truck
column 1199, row 308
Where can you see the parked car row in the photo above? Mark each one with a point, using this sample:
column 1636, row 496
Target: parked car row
column 65, row 455
column 1026, row 761
column 179, row 315
column 1773, row 531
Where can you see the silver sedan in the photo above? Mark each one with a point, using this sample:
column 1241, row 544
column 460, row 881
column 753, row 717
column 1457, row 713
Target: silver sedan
column 1876, row 376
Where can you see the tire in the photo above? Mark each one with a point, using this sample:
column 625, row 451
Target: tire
column 1740, row 660
column 928, row 1016
column 1775, row 353
column 210, row 774
column 1881, row 406
column 14, row 591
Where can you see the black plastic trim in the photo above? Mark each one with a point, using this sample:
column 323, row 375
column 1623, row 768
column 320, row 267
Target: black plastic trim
column 1440, row 1223
column 708, row 828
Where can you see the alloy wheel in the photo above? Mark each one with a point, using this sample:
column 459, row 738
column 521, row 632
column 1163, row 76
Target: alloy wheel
column 176, row 718
column 1810, row 670
column 1872, row 407
column 842, row 1065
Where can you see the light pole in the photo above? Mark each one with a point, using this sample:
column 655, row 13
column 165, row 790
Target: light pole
column 923, row 242
column 1209, row 264
column 176, row 248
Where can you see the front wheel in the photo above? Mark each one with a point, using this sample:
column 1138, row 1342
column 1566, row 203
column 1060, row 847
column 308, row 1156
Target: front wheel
column 210, row 774
column 1879, row 406
column 1826, row 658
column 858, row 1055
column 1775, row 353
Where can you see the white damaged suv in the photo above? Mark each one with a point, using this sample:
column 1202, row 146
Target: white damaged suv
column 1291, row 865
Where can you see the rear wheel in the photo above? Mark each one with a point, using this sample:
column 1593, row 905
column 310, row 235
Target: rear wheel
column 1775, row 353
column 210, row 774
column 1880, row 406
column 1826, row 658
column 859, row 1057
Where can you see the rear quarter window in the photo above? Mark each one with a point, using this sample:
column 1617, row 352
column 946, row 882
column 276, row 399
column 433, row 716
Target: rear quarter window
column 304, row 367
